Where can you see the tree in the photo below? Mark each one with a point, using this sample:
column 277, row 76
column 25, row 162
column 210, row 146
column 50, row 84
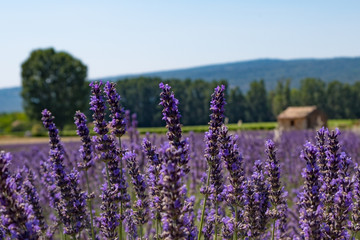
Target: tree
column 56, row 81
column 259, row 109
column 281, row 97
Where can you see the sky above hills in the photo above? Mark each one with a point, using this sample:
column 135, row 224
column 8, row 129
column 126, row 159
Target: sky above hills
column 123, row 37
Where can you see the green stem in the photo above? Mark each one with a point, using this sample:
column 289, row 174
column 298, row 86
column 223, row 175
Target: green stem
column 73, row 237
column 236, row 220
column 121, row 206
column 61, row 232
column 107, row 174
column 273, row 231
column 90, row 207
column 204, row 206
column 141, row 231
column 216, row 212
column 157, row 226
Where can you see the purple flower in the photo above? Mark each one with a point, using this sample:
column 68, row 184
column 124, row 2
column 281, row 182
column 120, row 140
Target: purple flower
column 142, row 204
column 109, row 217
column 86, row 150
column 257, row 203
column 17, row 217
column 276, row 192
column 171, row 116
column 118, row 122
column 310, row 203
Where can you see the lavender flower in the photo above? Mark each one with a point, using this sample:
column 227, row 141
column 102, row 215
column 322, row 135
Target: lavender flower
column 142, row 204
column 228, row 227
column 154, row 171
column 86, row 150
column 109, row 218
column 235, row 192
column 310, row 200
column 73, row 217
column 32, row 198
column 16, row 215
column 212, row 157
column 172, row 197
column 118, row 123
column 257, row 203
column 189, row 218
column 355, row 216
column 171, row 116
column 276, row 192
column 130, row 226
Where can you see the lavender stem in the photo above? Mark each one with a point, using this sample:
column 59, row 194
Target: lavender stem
column 90, row 207
column 121, row 206
column 204, row 206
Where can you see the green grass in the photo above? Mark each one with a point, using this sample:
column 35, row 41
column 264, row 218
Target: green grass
column 343, row 123
column 204, row 128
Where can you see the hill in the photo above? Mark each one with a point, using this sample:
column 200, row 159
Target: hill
column 271, row 70
column 238, row 74
column 10, row 100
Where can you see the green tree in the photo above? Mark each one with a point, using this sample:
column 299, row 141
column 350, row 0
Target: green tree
column 236, row 106
column 313, row 92
column 280, row 98
column 56, row 81
column 257, row 98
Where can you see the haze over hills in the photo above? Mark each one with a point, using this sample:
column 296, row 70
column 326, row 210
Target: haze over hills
column 240, row 74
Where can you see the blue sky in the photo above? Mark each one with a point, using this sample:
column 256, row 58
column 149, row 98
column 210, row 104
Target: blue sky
column 120, row 37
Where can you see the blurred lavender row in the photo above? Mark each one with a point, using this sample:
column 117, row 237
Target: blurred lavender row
column 218, row 185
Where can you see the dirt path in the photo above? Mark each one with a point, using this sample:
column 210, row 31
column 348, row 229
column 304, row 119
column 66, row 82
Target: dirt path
column 11, row 140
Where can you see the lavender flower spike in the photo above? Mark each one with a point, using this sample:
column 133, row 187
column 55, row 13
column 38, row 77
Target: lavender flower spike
column 118, row 123
column 310, row 203
column 171, row 116
column 212, row 157
column 276, row 191
column 142, row 203
column 86, row 148
column 14, row 210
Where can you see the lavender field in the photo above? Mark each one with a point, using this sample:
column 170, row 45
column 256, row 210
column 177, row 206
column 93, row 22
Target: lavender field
column 218, row 185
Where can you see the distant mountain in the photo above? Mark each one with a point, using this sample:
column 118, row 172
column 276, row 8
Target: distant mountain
column 238, row 74
column 271, row 70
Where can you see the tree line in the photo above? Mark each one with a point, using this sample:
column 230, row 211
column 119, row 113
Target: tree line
column 140, row 95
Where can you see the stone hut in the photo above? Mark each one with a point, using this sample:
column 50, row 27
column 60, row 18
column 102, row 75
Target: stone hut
column 304, row 117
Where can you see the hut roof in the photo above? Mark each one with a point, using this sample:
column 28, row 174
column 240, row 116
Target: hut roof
column 296, row 112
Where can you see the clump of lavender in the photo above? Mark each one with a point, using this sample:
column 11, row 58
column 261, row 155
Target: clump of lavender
column 68, row 208
column 278, row 212
column 86, row 151
column 235, row 192
column 173, row 169
column 130, row 225
column 310, row 203
column 189, row 218
column 32, row 197
column 321, row 150
column 171, row 116
column 118, row 123
column 257, row 203
column 17, row 217
column 109, row 217
column 142, row 204
column 330, row 183
column 212, row 157
column 354, row 225
column 154, row 172
column 104, row 142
